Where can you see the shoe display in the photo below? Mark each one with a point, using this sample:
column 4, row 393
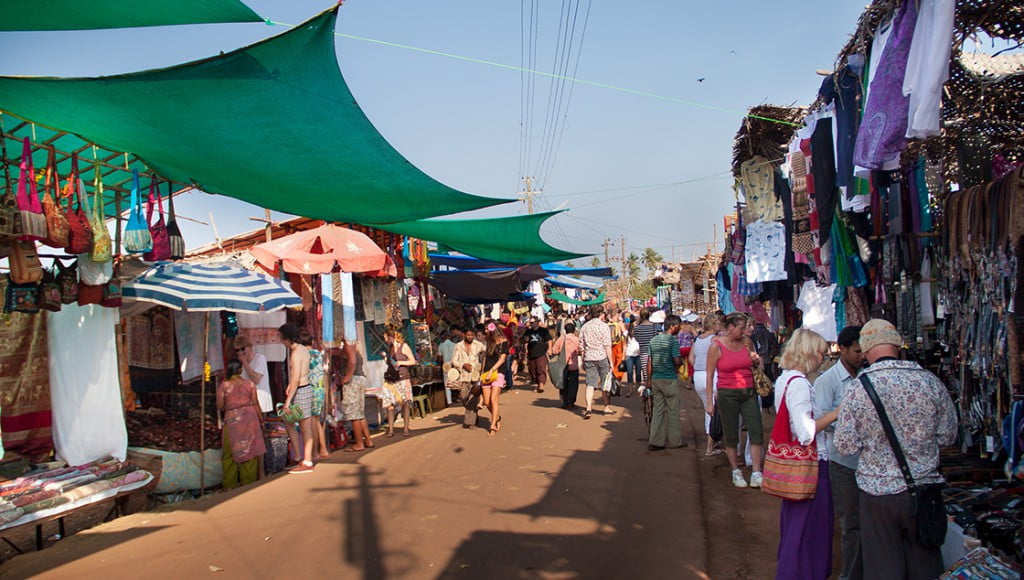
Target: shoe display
column 755, row 479
column 737, row 478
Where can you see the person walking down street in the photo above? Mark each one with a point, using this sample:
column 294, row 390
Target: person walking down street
column 643, row 333
column 734, row 363
column 493, row 377
column 711, row 325
column 300, row 392
column 923, row 418
column 537, row 339
column 663, row 362
column 468, row 359
column 805, row 527
column 243, row 447
column 353, row 397
column 596, row 346
column 633, row 373
column 829, row 389
column 569, row 345
column 397, row 393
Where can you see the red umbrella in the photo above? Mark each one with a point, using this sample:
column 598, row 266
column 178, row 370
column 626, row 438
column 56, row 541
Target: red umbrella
column 321, row 250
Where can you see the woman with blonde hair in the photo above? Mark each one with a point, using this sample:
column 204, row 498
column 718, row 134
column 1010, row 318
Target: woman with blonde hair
column 398, row 390
column 698, row 359
column 492, row 378
column 805, row 527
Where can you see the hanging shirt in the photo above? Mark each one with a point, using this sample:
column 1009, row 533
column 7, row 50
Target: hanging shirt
column 756, row 181
column 928, row 66
column 766, row 252
column 819, row 311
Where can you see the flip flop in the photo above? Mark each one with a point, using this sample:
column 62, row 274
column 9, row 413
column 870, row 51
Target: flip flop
column 354, row 450
column 497, row 424
column 406, row 433
column 390, row 435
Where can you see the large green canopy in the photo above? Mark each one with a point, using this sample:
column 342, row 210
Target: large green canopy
column 509, row 240
column 563, row 298
column 273, row 124
column 90, row 14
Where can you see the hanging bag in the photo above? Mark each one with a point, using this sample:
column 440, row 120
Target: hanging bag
column 112, row 291
column 762, row 384
column 67, row 279
column 49, row 292
column 157, row 231
column 927, row 505
column 10, row 221
column 101, row 243
column 790, row 469
column 24, row 263
column 33, row 222
column 56, row 220
column 79, row 230
column 90, row 271
column 175, row 239
column 21, row 297
column 137, row 239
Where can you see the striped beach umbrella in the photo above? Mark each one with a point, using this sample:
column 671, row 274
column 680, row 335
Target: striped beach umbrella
column 209, row 287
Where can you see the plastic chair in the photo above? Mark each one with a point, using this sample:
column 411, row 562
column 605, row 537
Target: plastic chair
column 421, row 403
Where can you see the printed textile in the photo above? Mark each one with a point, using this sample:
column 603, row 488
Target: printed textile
column 766, row 252
column 261, row 329
column 756, row 180
column 25, row 386
column 241, row 419
column 151, row 339
column 188, row 329
column 819, row 311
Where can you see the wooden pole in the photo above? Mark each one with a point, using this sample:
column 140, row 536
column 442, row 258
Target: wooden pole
column 202, row 407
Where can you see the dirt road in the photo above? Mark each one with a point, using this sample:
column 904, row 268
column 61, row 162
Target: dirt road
column 551, row 496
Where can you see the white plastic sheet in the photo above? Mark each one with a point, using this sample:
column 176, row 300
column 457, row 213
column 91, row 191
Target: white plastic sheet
column 88, row 421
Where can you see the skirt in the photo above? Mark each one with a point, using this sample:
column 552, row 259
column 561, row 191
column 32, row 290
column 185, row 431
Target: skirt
column 304, row 399
column 805, row 534
column 396, row 393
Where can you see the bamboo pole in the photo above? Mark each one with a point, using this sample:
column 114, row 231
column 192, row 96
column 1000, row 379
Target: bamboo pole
column 202, row 406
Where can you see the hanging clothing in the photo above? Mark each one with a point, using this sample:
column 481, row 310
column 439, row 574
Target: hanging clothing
column 756, row 181
column 823, row 170
column 188, row 330
column 819, row 311
column 261, row 329
column 150, row 338
column 928, row 66
column 765, row 252
column 842, row 90
column 25, row 384
column 882, row 135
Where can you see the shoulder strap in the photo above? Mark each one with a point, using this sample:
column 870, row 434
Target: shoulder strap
column 897, row 450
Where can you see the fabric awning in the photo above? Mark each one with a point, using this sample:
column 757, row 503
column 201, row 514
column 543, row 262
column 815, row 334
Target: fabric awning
column 470, row 263
column 96, row 14
column 273, row 124
column 510, row 240
column 570, row 282
column 563, row 298
column 486, row 287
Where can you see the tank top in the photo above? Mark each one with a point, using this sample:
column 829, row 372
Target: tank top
column 700, row 353
column 403, row 371
column 734, row 368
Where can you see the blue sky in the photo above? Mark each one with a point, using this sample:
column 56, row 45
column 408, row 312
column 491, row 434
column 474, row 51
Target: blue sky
column 621, row 156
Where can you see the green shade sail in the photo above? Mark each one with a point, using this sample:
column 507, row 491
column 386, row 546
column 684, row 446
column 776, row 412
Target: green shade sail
column 563, row 298
column 509, row 240
column 91, row 14
column 273, row 124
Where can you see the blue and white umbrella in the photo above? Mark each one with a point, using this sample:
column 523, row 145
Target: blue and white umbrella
column 209, row 287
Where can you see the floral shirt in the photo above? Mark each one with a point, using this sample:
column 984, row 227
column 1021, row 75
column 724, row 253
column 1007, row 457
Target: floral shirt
column 595, row 337
column 922, row 415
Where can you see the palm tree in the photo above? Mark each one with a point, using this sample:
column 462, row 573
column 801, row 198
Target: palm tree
column 569, row 264
column 595, row 262
column 651, row 259
column 632, row 270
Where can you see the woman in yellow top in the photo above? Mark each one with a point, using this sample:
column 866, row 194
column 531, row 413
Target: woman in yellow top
column 492, row 378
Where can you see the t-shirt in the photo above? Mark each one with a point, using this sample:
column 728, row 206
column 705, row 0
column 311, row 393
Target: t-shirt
column 664, row 349
column 447, row 350
column 491, row 357
column 643, row 333
column 537, row 340
column 259, row 365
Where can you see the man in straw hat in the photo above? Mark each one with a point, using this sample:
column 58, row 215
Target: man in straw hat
column 923, row 418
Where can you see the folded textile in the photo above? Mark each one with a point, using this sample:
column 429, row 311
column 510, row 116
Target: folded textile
column 10, row 515
column 46, row 504
column 66, row 484
column 87, row 490
column 34, row 497
column 128, row 479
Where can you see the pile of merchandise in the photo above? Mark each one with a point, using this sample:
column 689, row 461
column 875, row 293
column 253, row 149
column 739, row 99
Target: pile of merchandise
column 154, row 428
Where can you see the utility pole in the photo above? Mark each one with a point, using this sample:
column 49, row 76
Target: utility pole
column 607, row 260
column 622, row 247
column 528, row 193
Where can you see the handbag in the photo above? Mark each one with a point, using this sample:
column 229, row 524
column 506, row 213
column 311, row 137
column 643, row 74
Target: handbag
column 21, row 297
column 391, row 375
column 112, row 292
column 90, row 294
column 762, row 384
column 49, row 292
column 622, row 367
column 158, row 231
column 79, row 230
column 33, row 222
column 93, row 273
column 53, row 211
column 790, row 469
column 24, row 263
column 927, row 505
column 67, row 279
column 715, row 427
column 137, row 239
column 177, row 242
column 101, row 243
column 10, row 221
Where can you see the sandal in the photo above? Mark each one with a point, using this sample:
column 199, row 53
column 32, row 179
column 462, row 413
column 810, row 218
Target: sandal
column 406, row 433
column 354, row 449
column 586, row 414
column 497, row 424
column 491, row 432
column 390, row 434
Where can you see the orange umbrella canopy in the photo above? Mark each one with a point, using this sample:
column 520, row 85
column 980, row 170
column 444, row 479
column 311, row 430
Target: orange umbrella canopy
column 321, row 250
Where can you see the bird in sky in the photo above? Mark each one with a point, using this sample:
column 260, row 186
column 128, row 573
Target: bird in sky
column 701, row 79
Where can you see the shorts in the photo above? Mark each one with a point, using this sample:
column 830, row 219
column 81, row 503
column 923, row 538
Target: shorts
column 733, row 403
column 319, row 397
column 498, row 383
column 596, row 371
column 353, row 399
column 304, row 399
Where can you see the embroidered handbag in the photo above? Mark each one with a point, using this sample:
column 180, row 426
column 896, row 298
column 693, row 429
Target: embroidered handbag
column 49, row 292
column 176, row 241
column 67, row 279
column 137, row 239
column 10, row 221
column 93, row 273
column 24, row 263
column 790, row 469
column 158, row 231
column 762, row 384
column 21, row 297
column 56, row 220
column 33, row 222
column 90, row 294
column 101, row 243
column 112, row 293
column 79, row 230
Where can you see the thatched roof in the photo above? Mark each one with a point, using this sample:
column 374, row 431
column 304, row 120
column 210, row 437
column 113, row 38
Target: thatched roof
column 765, row 131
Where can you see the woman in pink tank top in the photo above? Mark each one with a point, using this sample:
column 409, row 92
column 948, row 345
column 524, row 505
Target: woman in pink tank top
column 734, row 364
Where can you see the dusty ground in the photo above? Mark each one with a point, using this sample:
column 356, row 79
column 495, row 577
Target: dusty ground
column 551, row 496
